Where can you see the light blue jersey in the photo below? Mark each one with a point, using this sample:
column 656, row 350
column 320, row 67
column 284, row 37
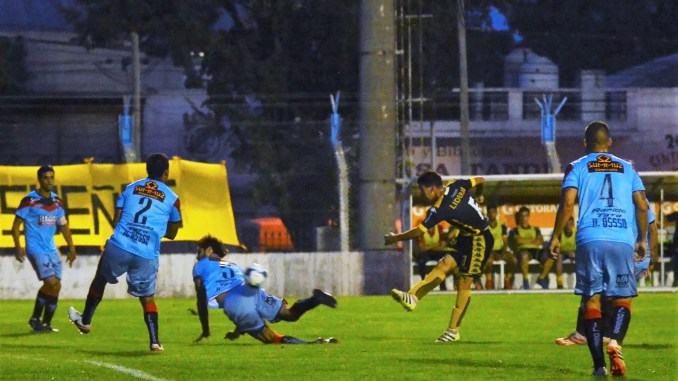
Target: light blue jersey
column 147, row 206
column 605, row 185
column 41, row 217
column 217, row 277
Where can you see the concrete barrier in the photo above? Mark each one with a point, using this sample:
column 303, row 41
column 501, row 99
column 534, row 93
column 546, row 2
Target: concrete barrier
column 290, row 274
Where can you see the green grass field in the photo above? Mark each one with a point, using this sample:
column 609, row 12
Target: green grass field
column 504, row 337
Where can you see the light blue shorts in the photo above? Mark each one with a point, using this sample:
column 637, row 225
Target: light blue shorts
column 250, row 307
column 45, row 265
column 604, row 266
column 141, row 272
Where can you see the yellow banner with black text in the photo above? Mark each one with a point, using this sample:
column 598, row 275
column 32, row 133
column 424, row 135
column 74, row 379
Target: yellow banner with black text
column 91, row 190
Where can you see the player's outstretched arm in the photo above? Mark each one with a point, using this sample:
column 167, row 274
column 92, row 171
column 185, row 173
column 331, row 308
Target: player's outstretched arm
column 413, row 233
column 202, row 309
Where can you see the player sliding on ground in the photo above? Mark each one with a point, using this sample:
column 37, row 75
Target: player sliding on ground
column 455, row 204
column 221, row 284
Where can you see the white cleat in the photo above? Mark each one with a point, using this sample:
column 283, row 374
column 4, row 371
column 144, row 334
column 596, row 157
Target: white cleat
column 408, row 301
column 76, row 319
column 449, row 336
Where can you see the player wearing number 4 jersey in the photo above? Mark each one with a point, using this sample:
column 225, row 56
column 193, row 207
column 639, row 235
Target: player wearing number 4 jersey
column 612, row 205
column 455, row 204
column 146, row 211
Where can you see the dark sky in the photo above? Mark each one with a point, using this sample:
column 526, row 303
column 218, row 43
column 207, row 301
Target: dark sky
column 18, row 15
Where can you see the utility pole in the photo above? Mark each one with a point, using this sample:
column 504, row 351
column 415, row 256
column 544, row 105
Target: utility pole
column 463, row 91
column 136, row 67
column 377, row 122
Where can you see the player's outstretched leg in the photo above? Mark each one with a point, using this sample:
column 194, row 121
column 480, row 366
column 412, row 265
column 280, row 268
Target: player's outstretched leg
column 324, row 298
column 301, row 306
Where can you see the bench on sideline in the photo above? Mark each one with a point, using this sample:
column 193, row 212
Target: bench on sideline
column 499, row 268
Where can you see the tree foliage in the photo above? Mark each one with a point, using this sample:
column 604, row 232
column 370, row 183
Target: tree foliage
column 266, row 61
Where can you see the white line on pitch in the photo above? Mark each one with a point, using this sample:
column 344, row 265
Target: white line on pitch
column 130, row 371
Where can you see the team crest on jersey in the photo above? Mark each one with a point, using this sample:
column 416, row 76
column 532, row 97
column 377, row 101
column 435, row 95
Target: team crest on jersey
column 150, row 189
column 605, row 163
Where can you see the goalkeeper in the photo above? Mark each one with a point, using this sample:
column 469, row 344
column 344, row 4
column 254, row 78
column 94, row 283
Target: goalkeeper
column 221, row 284
column 455, row 204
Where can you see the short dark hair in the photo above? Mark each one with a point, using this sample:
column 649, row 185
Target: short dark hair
column 524, row 209
column 213, row 242
column 492, row 206
column 430, row 178
column 44, row 169
column 156, row 165
column 597, row 133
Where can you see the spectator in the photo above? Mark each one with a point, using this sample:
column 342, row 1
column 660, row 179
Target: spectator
column 500, row 250
column 567, row 248
column 527, row 243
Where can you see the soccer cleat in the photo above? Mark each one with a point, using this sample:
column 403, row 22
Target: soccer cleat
column 488, row 284
column 76, row 319
column 544, row 283
column 617, row 364
column 35, row 324
column 48, row 328
column 320, row 340
column 573, row 339
column 157, row 347
column 526, row 284
column 324, row 298
column 449, row 336
column 599, row 372
column 408, row 301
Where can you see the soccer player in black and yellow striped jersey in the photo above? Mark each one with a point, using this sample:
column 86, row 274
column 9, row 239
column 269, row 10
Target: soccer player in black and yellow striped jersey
column 454, row 204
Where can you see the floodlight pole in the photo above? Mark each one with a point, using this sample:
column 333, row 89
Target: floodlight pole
column 548, row 130
column 335, row 126
column 463, row 92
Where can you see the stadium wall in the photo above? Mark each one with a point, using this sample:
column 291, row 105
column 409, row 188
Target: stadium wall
column 290, row 274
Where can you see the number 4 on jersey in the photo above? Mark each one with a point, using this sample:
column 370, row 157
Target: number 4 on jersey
column 606, row 190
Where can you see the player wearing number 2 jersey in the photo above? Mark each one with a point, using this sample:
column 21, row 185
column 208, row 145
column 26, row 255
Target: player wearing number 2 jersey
column 455, row 204
column 147, row 211
column 612, row 206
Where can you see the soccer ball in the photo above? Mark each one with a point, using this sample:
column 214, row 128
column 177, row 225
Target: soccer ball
column 255, row 275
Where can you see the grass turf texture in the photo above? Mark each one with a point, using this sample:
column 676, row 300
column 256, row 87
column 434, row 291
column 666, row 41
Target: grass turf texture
column 504, row 337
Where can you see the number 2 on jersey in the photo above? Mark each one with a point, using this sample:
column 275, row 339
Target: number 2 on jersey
column 606, row 190
column 138, row 216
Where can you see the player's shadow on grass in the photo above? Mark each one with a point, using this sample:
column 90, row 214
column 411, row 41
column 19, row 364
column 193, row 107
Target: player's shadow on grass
column 492, row 364
column 29, row 347
column 651, row 346
column 117, row 353
column 24, row 334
